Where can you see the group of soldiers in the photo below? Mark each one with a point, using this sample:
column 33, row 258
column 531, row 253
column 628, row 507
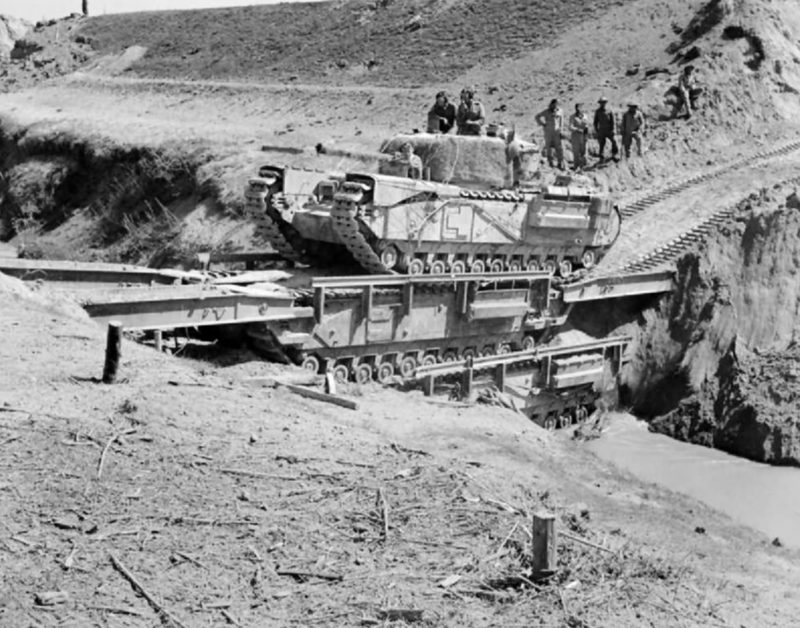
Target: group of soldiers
column 469, row 118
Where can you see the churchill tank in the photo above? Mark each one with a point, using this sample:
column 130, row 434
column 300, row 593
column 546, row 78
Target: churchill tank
column 293, row 206
column 398, row 224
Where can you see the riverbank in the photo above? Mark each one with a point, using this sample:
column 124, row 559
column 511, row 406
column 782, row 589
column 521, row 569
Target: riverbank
column 193, row 481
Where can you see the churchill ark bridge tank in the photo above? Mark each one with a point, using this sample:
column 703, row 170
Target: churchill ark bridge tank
column 292, row 206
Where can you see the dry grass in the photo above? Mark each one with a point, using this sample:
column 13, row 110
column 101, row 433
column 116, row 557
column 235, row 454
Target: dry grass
column 362, row 41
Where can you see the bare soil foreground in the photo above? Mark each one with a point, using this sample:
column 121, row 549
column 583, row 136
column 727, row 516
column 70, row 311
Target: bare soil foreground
column 181, row 496
column 251, row 506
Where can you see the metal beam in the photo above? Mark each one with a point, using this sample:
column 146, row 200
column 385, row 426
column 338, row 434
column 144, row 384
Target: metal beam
column 191, row 310
column 359, row 281
column 90, row 272
column 616, row 286
column 448, row 368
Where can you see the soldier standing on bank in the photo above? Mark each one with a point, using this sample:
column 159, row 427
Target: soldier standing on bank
column 579, row 131
column 552, row 122
column 604, row 129
column 633, row 129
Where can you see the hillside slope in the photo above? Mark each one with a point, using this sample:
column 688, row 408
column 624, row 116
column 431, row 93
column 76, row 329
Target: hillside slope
column 366, row 41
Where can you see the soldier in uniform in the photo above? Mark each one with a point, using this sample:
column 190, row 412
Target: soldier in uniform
column 552, row 122
column 604, row 128
column 471, row 115
column 579, row 131
column 442, row 115
column 632, row 129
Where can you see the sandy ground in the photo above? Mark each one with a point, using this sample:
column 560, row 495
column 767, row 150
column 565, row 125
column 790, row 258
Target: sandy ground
column 213, row 489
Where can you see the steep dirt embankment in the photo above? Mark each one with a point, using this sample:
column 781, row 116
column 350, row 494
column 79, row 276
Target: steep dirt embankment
column 715, row 363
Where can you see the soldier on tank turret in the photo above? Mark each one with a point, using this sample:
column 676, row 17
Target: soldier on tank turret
column 442, row 116
column 471, row 115
column 411, row 163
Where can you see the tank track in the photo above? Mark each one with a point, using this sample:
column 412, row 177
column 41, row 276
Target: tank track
column 346, row 225
column 661, row 195
column 696, row 235
column 266, row 216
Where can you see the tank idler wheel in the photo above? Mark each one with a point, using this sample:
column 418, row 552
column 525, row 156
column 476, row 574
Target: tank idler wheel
column 528, row 343
column 565, row 267
column 588, row 259
column 497, row 265
column 550, row 422
column 385, row 372
column 311, row 363
column 550, row 266
column 407, row 366
column 478, row 266
column 428, row 360
column 458, row 267
column 390, row 256
column 416, row 266
column 438, row 267
column 532, row 265
column 363, row 373
column 341, row 374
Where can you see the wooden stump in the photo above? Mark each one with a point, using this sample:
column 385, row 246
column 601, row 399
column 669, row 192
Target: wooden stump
column 113, row 349
column 158, row 340
column 544, row 544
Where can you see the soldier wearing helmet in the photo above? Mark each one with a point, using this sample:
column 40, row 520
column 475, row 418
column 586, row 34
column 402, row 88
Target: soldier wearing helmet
column 470, row 115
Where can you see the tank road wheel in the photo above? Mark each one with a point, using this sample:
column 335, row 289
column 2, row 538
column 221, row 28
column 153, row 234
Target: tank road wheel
column 528, row 343
column 438, row 267
column 487, row 351
column 564, row 421
column 550, row 266
column 478, row 266
column 385, row 372
column 468, row 353
column 565, row 267
column 416, row 266
column 311, row 363
column 584, row 413
column 497, row 265
column 458, row 267
column 532, row 265
column 364, row 373
column 515, row 265
column 589, row 259
column 341, row 373
column 428, row 360
column 407, row 366
column 390, row 256
column 550, row 422
column 451, row 355
column 504, row 349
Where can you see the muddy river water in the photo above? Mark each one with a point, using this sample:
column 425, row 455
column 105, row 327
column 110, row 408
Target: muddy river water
column 760, row 496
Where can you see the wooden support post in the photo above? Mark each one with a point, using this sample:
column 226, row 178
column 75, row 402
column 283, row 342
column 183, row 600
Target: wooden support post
column 85, row 7
column 158, row 340
column 466, row 380
column 544, row 544
column 319, row 304
column 250, row 264
column 428, row 385
column 500, row 377
column 113, row 348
